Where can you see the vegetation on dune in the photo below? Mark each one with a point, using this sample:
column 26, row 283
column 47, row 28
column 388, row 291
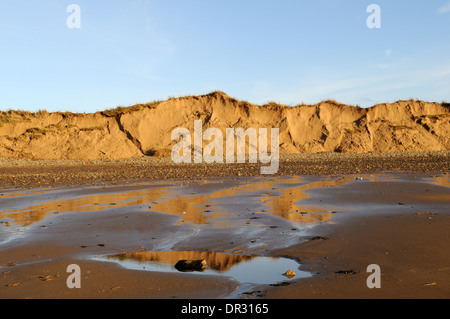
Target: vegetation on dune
column 17, row 116
column 14, row 116
column 37, row 132
column 128, row 109
column 401, row 127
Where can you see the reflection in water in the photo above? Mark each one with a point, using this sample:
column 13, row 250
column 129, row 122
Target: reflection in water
column 196, row 208
column 224, row 204
column 285, row 203
column 443, row 180
column 244, row 269
column 278, row 199
column 281, row 200
column 92, row 203
column 21, row 194
column 214, row 260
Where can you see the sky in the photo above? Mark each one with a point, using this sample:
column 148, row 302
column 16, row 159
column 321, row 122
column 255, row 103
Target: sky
column 289, row 52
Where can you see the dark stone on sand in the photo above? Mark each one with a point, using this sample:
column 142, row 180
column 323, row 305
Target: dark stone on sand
column 318, row 238
column 346, row 272
column 280, row 284
column 257, row 293
column 191, row 265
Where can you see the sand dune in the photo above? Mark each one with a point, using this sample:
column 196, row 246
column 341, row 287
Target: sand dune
column 143, row 130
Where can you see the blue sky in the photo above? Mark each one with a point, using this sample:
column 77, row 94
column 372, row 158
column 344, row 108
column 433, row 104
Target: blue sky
column 129, row 52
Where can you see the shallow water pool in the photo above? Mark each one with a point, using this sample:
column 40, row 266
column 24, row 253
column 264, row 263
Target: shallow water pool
column 253, row 270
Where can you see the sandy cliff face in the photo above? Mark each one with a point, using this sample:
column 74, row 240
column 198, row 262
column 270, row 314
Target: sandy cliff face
column 404, row 126
column 65, row 136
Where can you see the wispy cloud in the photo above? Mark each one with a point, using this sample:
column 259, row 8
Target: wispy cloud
column 388, row 52
column 444, row 8
column 428, row 83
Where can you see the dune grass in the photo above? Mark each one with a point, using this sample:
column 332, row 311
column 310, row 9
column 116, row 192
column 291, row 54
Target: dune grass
column 128, row 109
column 401, row 127
column 14, row 116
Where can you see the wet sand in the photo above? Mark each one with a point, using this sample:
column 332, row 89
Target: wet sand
column 407, row 236
column 398, row 220
column 411, row 250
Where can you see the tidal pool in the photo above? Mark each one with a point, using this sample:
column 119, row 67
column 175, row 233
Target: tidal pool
column 254, row 270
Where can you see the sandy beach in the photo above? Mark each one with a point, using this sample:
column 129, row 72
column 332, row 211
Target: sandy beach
column 358, row 210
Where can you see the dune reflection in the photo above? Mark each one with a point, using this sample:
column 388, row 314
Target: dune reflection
column 214, row 260
column 286, row 205
column 198, row 208
column 92, row 203
column 280, row 196
column 441, row 180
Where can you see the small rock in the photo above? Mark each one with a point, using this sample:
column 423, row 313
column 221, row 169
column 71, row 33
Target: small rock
column 318, row 238
column 289, row 274
column 431, row 284
column 191, row 265
column 280, row 284
column 347, row 272
column 46, row 278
